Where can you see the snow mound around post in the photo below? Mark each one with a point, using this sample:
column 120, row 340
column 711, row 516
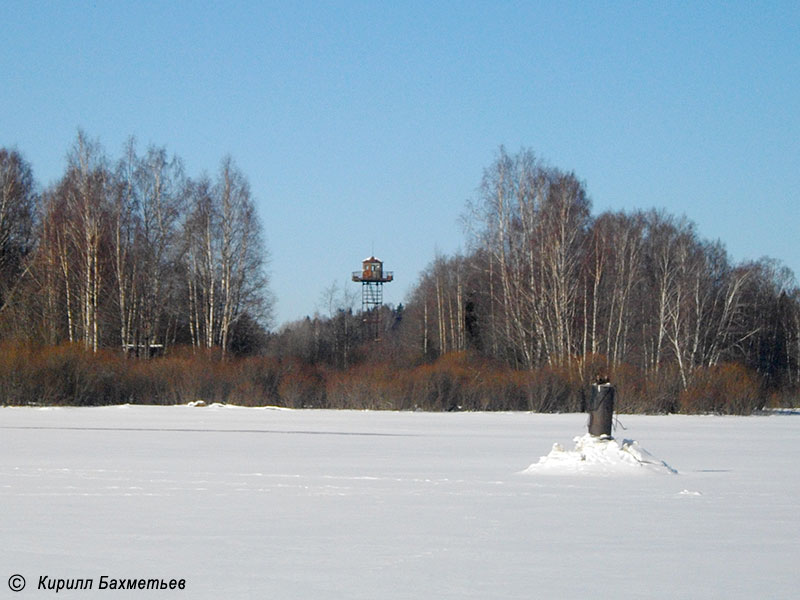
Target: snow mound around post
column 601, row 455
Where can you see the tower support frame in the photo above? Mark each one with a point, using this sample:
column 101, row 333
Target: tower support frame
column 372, row 277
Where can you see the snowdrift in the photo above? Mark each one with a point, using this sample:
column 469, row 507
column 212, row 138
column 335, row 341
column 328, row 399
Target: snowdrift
column 600, row 456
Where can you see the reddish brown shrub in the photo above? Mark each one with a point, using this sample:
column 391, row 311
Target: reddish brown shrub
column 301, row 386
column 723, row 389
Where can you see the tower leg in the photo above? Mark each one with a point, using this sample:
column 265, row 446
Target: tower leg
column 371, row 301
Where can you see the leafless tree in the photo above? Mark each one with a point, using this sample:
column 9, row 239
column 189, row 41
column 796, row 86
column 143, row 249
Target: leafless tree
column 533, row 223
column 613, row 274
column 124, row 225
column 146, row 214
column 225, row 257
column 18, row 206
column 85, row 190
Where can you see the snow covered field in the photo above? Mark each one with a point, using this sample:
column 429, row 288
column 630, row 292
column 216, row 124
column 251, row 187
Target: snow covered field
column 261, row 503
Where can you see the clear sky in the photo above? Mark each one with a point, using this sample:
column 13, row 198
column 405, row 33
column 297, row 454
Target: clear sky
column 365, row 126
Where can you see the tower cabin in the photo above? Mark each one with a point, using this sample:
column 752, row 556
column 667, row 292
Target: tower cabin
column 372, row 271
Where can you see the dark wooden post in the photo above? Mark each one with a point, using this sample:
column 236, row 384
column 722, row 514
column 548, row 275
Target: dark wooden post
column 601, row 407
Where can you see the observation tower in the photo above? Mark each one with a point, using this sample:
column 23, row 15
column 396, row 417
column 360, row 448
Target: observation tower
column 372, row 277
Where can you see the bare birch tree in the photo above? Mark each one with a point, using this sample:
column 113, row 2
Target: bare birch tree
column 533, row 223
column 85, row 188
column 124, row 224
column 225, row 258
column 161, row 188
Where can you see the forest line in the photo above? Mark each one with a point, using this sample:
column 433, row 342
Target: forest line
column 130, row 268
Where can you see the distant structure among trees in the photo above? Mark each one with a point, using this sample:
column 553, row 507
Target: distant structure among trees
column 372, row 277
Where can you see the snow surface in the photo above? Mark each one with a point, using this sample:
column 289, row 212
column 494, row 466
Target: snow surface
column 259, row 503
column 599, row 456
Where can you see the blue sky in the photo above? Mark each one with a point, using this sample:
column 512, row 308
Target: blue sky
column 366, row 125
